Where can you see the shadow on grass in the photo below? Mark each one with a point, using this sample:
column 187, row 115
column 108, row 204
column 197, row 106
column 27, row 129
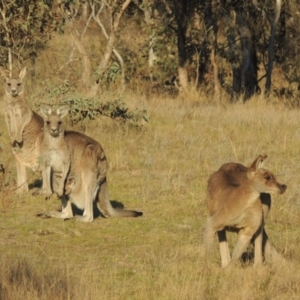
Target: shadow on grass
column 37, row 184
column 97, row 213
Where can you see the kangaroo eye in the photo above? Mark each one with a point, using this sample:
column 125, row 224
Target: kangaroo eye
column 48, row 122
column 268, row 178
column 60, row 122
column 9, row 84
column 19, row 84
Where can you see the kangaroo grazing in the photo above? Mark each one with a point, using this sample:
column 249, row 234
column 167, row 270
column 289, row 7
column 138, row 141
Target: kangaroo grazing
column 55, row 151
column 86, row 181
column 238, row 200
column 24, row 127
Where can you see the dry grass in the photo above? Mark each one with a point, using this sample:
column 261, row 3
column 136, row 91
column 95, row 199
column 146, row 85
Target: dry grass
column 161, row 170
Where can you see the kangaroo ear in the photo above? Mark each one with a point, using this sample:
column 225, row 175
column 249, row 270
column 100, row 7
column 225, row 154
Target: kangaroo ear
column 22, row 73
column 46, row 110
column 62, row 110
column 6, row 73
column 258, row 163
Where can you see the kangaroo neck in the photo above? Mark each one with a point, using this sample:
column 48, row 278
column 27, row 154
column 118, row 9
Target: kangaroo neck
column 19, row 100
column 18, row 107
column 53, row 142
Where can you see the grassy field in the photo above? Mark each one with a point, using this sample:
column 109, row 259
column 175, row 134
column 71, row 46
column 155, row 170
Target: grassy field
column 162, row 170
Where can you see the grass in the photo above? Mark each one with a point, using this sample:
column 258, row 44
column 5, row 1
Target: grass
column 161, row 170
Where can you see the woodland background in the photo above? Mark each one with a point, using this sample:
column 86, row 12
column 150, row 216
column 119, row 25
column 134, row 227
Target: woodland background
column 227, row 48
column 172, row 90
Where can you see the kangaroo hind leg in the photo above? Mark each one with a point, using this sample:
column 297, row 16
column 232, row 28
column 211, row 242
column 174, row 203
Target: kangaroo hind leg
column 90, row 190
column 66, row 213
column 224, row 249
column 244, row 238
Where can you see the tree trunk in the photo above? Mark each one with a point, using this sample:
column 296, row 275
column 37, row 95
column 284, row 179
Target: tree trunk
column 207, row 44
column 249, row 63
column 151, row 36
column 180, row 8
column 115, row 14
column 217, row 87
column 86, row 11
column 115, row 52
column 85, row 59
column 242, row 52
column 233, row 56
column 271, row 47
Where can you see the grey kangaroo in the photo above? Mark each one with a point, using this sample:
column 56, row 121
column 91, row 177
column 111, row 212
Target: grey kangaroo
column 237, row 199
column 86, row 181
column 24, row 127
column 55, row 151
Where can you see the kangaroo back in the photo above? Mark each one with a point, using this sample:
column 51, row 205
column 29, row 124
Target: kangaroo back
column 236, row 186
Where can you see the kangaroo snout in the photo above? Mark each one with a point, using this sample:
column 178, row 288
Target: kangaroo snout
column 54, row 132
column 14, row 93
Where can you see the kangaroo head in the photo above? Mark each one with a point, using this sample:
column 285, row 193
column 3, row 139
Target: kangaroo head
column 53, row 119
column 14, row 85
column 264, row 181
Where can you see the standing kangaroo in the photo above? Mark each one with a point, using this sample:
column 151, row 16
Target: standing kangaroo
column 86, row 180
column 55, row 151
column 238, row 200
column 24, row 127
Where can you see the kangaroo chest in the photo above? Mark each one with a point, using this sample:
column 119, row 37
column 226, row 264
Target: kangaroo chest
column 55, row 158
column 16, row 116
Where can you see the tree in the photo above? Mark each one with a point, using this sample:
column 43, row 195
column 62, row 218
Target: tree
column 209, row 11
column 180, row 9
column 273, row 24
column 151, row 17
column 97, row 9
column 73, row 13
column 25, row 29
column 179, row 12
column 115, row 9
column 241, row 48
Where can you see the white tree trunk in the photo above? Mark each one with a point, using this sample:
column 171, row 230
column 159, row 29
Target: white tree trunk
column 115, row 16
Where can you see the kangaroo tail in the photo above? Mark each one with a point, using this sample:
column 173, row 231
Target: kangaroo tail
column 106, row 208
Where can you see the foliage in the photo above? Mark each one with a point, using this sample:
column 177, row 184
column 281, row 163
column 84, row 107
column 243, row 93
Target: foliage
column 26, row 27
column 110, row 75
column 90, row 108
column 206, row 17
column 82, row 108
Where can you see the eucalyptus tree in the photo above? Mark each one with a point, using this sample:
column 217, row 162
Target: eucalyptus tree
column 114, row 9
column 242, row 52
column 77, row 12
column 178, row 17
column 25, row 28
column 265, row 10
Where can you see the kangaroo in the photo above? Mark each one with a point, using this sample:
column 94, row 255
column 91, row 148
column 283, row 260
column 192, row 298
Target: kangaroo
column 24, row 127
column 238, row 200
column 55, row 151
column 86, row 181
